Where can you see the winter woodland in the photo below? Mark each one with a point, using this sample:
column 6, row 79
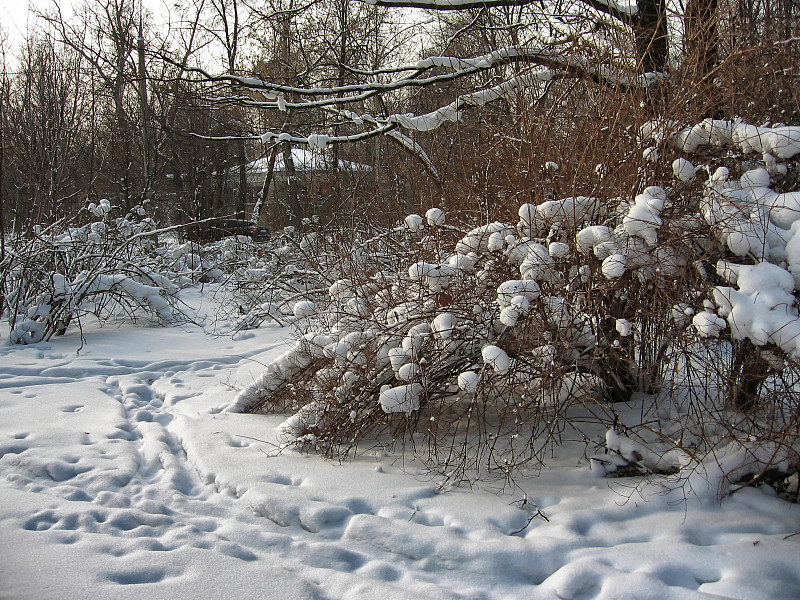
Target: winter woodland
column 504, row 236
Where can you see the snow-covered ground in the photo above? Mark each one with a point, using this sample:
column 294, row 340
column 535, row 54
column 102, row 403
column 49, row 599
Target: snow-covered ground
column 121, row 478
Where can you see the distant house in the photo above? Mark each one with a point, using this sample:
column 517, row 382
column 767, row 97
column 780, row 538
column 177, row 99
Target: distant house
column 315, row 180
column 305, row 161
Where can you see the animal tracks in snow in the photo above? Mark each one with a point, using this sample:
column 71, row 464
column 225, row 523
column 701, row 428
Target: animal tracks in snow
column 129, row 464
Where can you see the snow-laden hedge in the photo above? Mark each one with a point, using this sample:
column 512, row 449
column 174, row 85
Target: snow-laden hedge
column 109, row 266
column 487, row 343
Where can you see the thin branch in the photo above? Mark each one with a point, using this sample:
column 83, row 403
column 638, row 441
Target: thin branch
column 622, row 12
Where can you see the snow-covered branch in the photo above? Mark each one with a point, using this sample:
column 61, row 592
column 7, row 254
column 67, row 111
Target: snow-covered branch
column 448, row 4
column 452, row 112
column 549, row 65
column 623, row 12
column 460, row 67
column 417, row 150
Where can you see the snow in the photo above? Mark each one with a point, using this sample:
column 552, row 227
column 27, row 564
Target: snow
column 443, row 325
column 496, row 358
column 318, row 141
column 120, row 478
column 762, row 309
column 558, row 249
column 508, row 290
column 624, row 327
column 402, row 398
column 590, row 237
column 683, row 169
column 477, row 240
column 126, row 470
column 435, row 217
column 708, row 324
column 453, row 112
column 621, row 7
column 468, row 381
column 614, row 266
column 643, row 218
column 773, row 143
column 304, row 308
column 407, row 372
column 414, row 223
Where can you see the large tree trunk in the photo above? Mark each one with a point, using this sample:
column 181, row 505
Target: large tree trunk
column 652, row 38
column 748, row 372
column 701, row 55
column 652, row 49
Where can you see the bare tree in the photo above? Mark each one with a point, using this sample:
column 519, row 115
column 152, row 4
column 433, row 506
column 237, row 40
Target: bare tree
column 105, row 35
column 45, row 119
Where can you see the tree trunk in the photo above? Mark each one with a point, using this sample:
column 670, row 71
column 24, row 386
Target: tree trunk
column 701, row 55
column 652, row 49
column 748, row 372
column 292, row 200
column 2, row 192
column 650, row 31
column 242, row 201
column 148, row 165
column 262, row 194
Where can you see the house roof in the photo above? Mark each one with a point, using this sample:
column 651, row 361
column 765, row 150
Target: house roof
column 304, row 161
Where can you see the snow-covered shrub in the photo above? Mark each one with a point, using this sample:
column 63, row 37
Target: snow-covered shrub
column 297, row 265
column 107, row 267
column 487, row 340
column 501, row 316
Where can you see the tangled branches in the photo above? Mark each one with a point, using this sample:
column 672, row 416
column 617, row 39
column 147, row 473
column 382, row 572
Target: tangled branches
column 53, row 276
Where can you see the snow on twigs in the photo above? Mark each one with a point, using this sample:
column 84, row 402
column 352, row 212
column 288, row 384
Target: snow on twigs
column 496, row 358
column 624, row 327
column 443, row 325
column 468, row 381
column 401, row 399
column 435, row 216
column 304, row 308
column 683, row 169
column 583, row 300
column 614, row 266
column 763, row 309
column 414, row 223
column 107, row 267
column 643, row 217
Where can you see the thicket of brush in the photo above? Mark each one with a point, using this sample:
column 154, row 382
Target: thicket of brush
column 421, row 340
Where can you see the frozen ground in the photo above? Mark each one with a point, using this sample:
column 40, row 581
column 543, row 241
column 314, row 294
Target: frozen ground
column 120, row 478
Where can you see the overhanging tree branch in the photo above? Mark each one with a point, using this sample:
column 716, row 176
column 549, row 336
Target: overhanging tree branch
column 623, row 12
column 553, row 60
column 647, row 19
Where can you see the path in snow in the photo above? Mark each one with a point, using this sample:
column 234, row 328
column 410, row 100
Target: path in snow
column 118, row 480
column 102, row 461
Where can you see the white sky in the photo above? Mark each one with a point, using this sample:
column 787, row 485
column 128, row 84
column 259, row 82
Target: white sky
column 18, row 16
column 14, row 16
